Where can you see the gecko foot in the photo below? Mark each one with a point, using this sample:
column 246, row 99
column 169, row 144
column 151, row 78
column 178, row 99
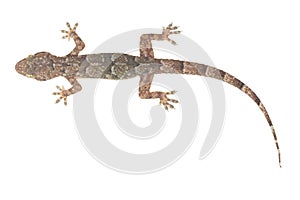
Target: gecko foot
column 170, row 29
column 164, row 100
column 63, row 94
column 70, row 32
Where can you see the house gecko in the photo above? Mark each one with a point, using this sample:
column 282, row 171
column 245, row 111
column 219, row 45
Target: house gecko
column 43, row 66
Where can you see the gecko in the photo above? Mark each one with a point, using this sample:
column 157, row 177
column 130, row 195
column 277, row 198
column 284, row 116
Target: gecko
column 43, row 66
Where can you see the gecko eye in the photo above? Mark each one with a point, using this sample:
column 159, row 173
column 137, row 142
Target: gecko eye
column 29, row 75
column 29, row 56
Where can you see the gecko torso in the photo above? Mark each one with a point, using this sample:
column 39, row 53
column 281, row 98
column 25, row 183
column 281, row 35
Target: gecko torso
column 117, row 66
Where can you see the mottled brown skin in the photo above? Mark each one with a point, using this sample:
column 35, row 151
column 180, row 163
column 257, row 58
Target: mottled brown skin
column 117, row 66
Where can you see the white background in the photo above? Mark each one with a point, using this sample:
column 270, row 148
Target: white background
column 41, row 156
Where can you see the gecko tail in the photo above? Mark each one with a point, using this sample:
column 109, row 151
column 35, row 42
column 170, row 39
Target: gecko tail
column 212, row 72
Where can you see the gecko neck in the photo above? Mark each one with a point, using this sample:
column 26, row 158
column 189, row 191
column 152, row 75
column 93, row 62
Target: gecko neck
column 67, row 65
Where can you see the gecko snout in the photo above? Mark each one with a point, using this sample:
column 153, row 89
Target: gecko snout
column 21, row 66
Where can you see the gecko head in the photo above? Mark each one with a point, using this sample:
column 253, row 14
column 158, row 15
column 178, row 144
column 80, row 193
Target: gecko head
column 38, row 66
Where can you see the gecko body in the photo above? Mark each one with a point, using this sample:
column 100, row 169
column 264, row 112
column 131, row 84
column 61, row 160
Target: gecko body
column 43, row 66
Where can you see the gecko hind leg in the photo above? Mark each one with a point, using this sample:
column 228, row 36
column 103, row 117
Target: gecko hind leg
column 170, row 29
column 144, row 92
column 164, row 100
column 146, row 50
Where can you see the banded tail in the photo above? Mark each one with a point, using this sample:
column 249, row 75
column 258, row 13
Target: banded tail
column 208, row 71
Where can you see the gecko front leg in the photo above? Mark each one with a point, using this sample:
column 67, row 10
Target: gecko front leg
column 71, row 33
column 63, row 93
column 144, row 92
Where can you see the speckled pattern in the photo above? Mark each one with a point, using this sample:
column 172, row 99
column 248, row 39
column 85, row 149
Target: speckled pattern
column 43, row 66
